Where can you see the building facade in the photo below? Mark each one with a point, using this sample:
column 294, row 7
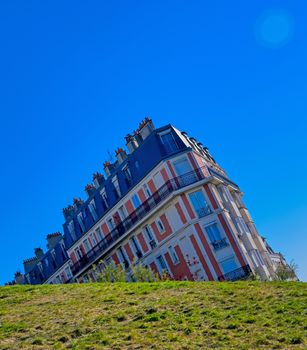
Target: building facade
column 166, row 204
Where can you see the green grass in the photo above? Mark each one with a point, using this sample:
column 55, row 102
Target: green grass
column 165, row 315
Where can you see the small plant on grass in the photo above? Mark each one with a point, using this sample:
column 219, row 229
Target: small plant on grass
column 112, row 273
column 141, row 273
column 286, row 272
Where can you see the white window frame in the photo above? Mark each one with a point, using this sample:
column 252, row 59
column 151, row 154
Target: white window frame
column 173, row 254
column 160, row 225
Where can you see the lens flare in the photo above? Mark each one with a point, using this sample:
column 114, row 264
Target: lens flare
column 274, row 28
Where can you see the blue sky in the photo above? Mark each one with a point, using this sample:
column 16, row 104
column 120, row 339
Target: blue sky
column 78, row 76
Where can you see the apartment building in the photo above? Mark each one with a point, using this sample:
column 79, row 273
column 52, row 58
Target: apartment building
column 165, row 204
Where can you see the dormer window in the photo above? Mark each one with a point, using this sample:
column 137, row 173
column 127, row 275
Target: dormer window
column 104, row 198
column 92, row 209
column 71, row 229
column 128, row 176
column 116, row 187
column 168, row 141
column 80, row 221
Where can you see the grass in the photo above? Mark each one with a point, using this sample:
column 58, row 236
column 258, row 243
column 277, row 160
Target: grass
column 165, row 315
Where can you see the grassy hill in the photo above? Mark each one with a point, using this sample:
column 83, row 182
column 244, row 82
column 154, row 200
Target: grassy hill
column 165, row 315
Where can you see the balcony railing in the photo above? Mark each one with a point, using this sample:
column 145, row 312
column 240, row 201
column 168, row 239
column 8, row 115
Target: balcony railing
column 239, row 274
column 222, row 243
column 201, row 212
column 151, row 203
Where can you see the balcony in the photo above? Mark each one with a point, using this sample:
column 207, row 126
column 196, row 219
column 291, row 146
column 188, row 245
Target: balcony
column 222, row 243
column 149, row 205
column 239, row 274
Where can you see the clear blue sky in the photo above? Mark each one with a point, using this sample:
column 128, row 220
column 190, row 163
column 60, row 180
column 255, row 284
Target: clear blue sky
column 77, row 76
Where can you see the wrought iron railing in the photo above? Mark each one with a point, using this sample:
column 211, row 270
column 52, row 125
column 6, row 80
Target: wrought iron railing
column 239, row 274
column 222, row 177
column 151, row 203
column 220, row 244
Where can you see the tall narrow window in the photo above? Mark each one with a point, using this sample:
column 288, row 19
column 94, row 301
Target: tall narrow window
column 80, row 221
column 93, row 239
column 122, row 257
column 68, row 273
column 110, row 224
column 117, row 192
column 162, row 263
column 78, row 253
column 160, row 226
column 136, row 201
column 199, row 203
column 99, row 234
column 104, row 198
column 169, row 142
column 173, row 254
column 150, row 237
column 122, row 213
column 147, row 191
column 71, row 229
column 86, row 246
column 92, row 209
column 136, row 248
column 128, row 176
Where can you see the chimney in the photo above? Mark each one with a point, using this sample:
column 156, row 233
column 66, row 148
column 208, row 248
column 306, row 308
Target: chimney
column 146, row 127
column 98, row 179
column 90, row 189
column 39, row 253
column 121, row 155
column 19, row 278
column 69, row 212
column 131, row 143
column 28, row 264
column 53, row 239
column 78, row 202
column 108, row 168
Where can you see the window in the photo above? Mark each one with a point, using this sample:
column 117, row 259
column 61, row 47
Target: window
column 53, row 255
column 71, row 229
column 86, row 246
column 122, row 212
column 93, row 239
column 173, row 254
column 160, row 226
column 229, row 265
column 92, row 209
column 242, row 225
column 135, row 247
column 162, row 263
column 136, row 201
column 68, row 273
column 116, row 187
column 110, row 224
column 104, row 198
column 122, row 257
column 80, row 221
column 128, row 177
column 213, row 233
column 199, row 203
column 169, row 143
column 147, row 191
column 186, row 175
column 99, row 234
column 150, row 238
column 78, row 253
